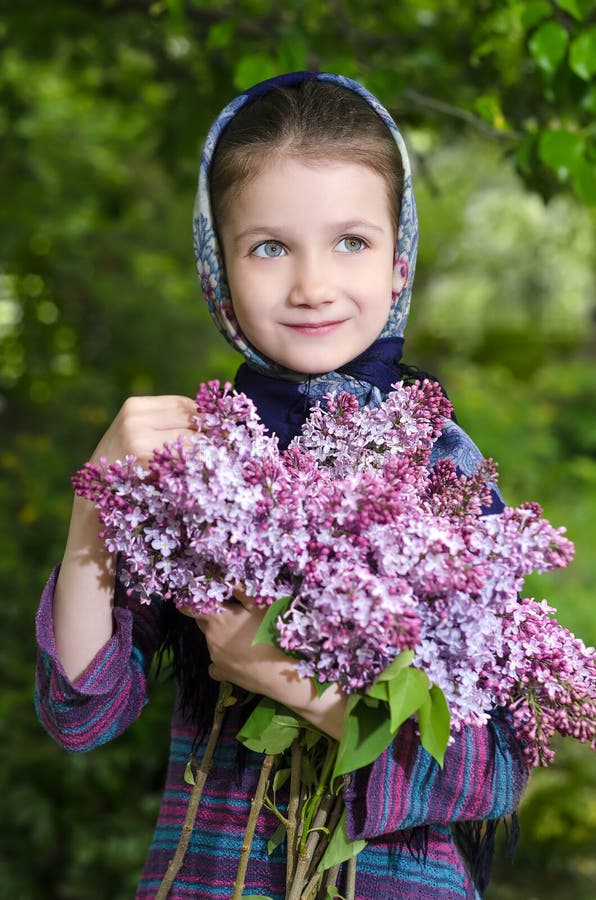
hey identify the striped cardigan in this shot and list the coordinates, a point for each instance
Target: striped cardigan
(482, 778)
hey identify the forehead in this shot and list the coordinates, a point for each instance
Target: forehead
(287, 186)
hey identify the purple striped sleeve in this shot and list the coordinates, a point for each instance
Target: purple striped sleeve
(111, 692)
(483, 777)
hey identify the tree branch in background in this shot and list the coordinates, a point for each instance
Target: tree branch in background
(456, 112)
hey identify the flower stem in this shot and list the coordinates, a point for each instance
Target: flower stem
(329, 880)
(293, 803)
(351, 878)
(312, 839)
(334, 817)
(313, 804)
(312, 888)
(255, 807)
(195, 797)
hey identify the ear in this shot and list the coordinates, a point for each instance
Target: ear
(400, 275)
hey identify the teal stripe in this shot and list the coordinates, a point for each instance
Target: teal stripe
(464, 788)
(206, 891)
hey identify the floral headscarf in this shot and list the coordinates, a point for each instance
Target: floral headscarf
(208, 254)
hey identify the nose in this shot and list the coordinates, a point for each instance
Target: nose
(311, 285)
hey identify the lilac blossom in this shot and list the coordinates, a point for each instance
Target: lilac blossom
(378, 552)
(547, 677)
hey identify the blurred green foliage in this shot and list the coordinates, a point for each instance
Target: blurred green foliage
(102, 110)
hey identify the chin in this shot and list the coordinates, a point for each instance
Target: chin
(318, 365)
(312, 370)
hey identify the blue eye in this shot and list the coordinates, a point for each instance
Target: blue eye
(351, 244)
(269, 249)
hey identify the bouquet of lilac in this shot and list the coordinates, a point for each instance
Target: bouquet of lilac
(378, 571)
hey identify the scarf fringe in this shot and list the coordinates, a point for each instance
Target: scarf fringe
(476, 843)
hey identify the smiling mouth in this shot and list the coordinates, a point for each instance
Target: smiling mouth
(315, 328)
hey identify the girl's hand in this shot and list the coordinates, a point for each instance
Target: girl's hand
(234, 658)
(263, 669)
(145, 424)
(84, 593)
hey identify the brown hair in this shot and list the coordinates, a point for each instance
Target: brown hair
(314, 120)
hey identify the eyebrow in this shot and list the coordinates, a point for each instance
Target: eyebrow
(347, 226)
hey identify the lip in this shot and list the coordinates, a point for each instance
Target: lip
(318, 329)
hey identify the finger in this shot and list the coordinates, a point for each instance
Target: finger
(187, 611)
(205, 620)
(214, 672)
(161, 413)
(240, 594)
(161, 402)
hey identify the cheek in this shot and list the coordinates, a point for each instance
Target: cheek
(242, 315)
(239, 293)
(249, 316)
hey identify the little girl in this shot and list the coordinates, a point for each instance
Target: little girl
(305, 237)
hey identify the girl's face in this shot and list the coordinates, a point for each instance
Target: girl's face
(309, 253)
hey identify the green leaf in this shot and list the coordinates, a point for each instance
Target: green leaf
(253, 68)
(292, 52)
(379, 690)
(433, 721)
(400, 662)
(226, 697)
(275, 739)
(176, 10)
(280, 778)
(230, 701)
(489, 108)
(365, 734)
(584, 182)
(352, 702)
(312, 737)
(255, 897)
(221, 33)
(276, 838)
(407, 692)
(267, 631)
(281, 734)
(370, 701)
(574, 7)
(561, 150)
(589, 100)
(308, 771)
(532, 13)
(548, 45)
(259, 719)
(340, 848)
(321, 686)
(269, 728)
(189, 775)
(582, 54)
(225, 691)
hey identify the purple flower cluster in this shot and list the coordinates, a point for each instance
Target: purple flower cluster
(378, 552)
(547, 677)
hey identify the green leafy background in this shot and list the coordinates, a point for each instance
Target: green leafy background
(103, 106)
